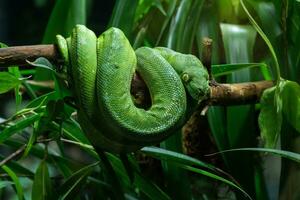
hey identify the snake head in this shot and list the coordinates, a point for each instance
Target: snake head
(196, 82)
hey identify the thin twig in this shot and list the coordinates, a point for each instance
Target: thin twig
(86, 146)
(13, 155)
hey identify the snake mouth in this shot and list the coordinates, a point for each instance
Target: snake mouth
(202, 94)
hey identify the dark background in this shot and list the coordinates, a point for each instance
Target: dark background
(23, 22)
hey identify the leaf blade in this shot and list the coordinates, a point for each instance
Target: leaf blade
(42, 188)
(16, 180)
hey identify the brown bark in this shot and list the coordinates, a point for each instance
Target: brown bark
(238, 93)
(19, 54)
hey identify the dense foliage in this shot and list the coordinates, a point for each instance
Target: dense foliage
(45, 155)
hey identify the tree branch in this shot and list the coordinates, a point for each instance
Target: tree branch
(19, 54)
(221, 94)
(13, 155)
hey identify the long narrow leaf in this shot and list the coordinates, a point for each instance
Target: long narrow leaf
(265, 38)
(18, 126)
(16, 181)
(188, 163)
(225, 69)
(285, 154)
(74, 183)
(150, 189)
(42, 188)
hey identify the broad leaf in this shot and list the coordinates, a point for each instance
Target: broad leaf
(8, 82)
(43, 63)
(270, 120)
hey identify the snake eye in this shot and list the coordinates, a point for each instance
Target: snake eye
(185, 77)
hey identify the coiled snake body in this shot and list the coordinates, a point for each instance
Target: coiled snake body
(101, 70)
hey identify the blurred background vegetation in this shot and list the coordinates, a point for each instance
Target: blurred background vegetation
(54, 158)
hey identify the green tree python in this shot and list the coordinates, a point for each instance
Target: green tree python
(100, 72)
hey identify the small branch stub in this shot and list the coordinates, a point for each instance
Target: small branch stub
(207, 54)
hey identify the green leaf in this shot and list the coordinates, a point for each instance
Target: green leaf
(4, 184)
(188, 163)
(173, 175)
(42, 100)
(111, 172)
(2, 45)
(224, 69)
(149, 188)
(293, 38)
(169, 13)
(63, 18)
(285, 154)
(63, 165)
(216, 177)
(265, 38)
(239, 43)
(8, 82)
(178, 158)
(290, 94)
(17, 167)
(43, 63)
(144, 7)
(190, 27)
(72, 186)
(14, 70)
(177, 25)
(18, 97)
(72, 130)
(17, 126)
(42, 188)
(123, 16)
(31, 141)
(270, 120)
(16, 181)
